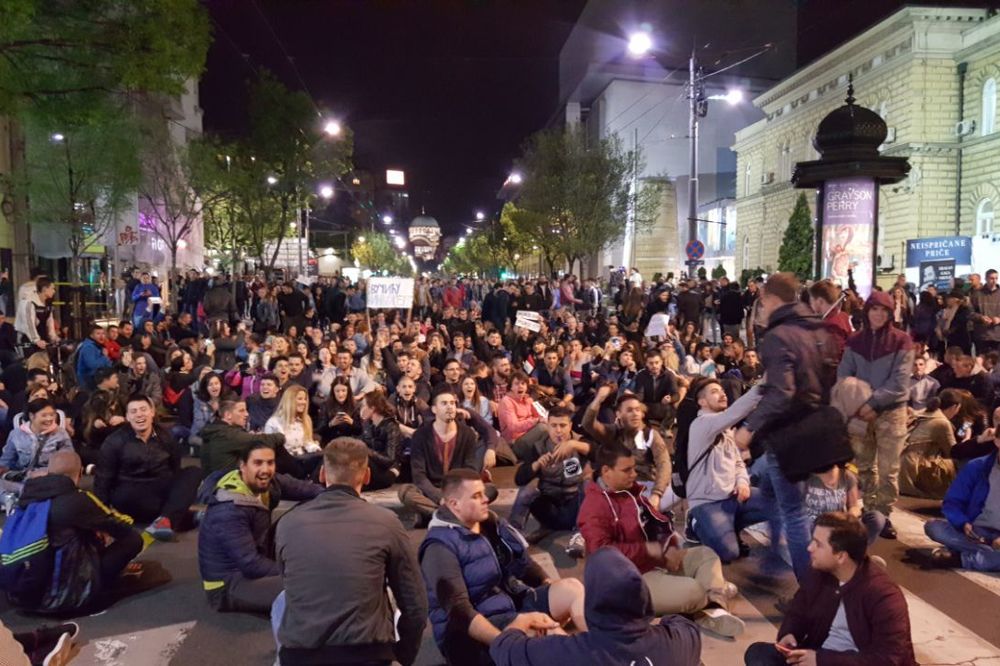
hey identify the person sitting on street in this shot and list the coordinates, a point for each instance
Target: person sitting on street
(721, 501)
(472, 599)
(236, 573)
(225, 440)
(292, 419)
(621, 626)
(77, 521)
(104, 411)
(848, 610)
(140, 473)
(437, 447)
(381, 434)
(340, 557)
(558, 462)
(970, 530)
(615, 512)
(90, 356)
(520, 423)
(261, 405)
(838, 489)
(552, 379)
(30, 447)
(631, 432)
(144, 377)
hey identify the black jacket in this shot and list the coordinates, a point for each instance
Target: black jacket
(124, 457)
(73, 512)
(222, 444)
(383, 443)
(337, 554)
(261, 409)
(428, 469)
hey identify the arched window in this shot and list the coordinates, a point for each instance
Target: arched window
(785, 161)
(746, 180)
(746, 253)
(984, 217)
(989, 117)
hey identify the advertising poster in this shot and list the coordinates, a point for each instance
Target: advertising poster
(936, 261)
(849, 231)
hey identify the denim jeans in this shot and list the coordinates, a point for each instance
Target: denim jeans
(719, 523)
(277, 612)
(547, 510)
(790, 512)
(975, 556)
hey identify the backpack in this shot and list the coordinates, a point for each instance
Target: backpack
(687, 412)
(27, 561)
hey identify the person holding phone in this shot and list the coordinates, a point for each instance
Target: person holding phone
(848, 605)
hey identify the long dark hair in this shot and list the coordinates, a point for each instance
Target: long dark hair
(332, 400)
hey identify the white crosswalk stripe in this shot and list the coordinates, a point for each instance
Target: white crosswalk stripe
(150, 647)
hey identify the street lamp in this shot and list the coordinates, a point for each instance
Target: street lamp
(387, 219)
(400, 242)
(332, 128)
(480, 215)
(58, 137)
(272, 180)
(326, 191)
(515, 178)
(639, 44)
(361, 239)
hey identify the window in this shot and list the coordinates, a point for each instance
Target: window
(746, 253)
(785, 161)
(984, 218)
(746, 180)
(989, 107)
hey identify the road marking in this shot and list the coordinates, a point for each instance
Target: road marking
(151, 647)
(939, 640)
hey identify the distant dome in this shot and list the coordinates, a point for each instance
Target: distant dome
(424, 221)
(850, 131)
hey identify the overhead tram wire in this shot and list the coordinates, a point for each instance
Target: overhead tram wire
(288, 57)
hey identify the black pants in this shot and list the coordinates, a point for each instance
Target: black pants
(381, 478)
(170, 497)
(763, 654)
(115, 558)
(246, 595)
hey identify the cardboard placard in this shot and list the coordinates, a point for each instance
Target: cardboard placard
(390, 292)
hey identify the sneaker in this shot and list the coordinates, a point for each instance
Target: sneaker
(888, 531)
(577, 546)
(161, 529)
(721, 622)
(61, 653)
(689, 534)
(944, 558)
(89, 469)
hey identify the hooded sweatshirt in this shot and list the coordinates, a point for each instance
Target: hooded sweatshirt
(619, 609)
(883, 358)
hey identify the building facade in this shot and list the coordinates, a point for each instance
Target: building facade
(931, 74)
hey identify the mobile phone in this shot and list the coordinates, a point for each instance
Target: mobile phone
(782, 648)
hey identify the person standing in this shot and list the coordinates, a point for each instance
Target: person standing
(986, 314)
(881, 355)
(140, 298)
(35, 319)
(791, 353)
(335, 607)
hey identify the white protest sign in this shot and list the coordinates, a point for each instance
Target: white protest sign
(529, 314)
(390, 292)
(657, 325)
(529, 324)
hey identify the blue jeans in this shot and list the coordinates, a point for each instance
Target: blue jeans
(975, 556)
(787, 499)
(277, 612)
(719, 523)
(873, 521)
(550, 512)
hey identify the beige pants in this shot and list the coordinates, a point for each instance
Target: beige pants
(687, 590)
(877, 454)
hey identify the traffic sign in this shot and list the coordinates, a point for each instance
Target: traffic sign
(695, 249)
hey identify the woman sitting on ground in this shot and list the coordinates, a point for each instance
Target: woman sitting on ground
(925, 467)
(291, 418)
(381, 434)
(338, 416)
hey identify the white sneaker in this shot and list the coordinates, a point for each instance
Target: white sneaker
(721, 622)
(577, 546)
(61, 654)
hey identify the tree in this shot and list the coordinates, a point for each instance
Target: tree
(577, 194)
(473, 255)
(796, 252)
(376, 252)
(718, 272)
(750, 274)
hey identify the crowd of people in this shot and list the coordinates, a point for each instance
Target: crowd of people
(652, 421)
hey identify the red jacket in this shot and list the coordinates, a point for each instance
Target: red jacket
(876, 615)
(609, 518)
(114, 349)
(839, 325)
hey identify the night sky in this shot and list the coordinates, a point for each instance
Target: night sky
(447, 91)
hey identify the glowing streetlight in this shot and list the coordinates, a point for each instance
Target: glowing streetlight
(734, 96)
(387, 219)
(640, 43)
(272, 180)
(400, 242)
(332, 128)
(58, 137)
(361, 239)
(515, 178)
(480, 215)
(326, 191)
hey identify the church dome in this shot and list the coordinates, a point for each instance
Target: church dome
(850, 131)
(424, 221)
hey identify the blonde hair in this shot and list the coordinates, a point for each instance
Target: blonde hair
(285, 412)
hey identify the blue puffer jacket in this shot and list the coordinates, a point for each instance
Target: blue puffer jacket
(966, 496)
(484, 578)
(233, 535)
(89, 358)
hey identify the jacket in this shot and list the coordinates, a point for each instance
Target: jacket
(19, 451)
(619, 611)
(651, 391)
(966, 497)
(883, 358)
(490, 566)
(124, 457)
(150, 384)
(202, 414)
(428, 470)
(261, 409)
(616, 518)
(234, 532)
(986, 304)
(383, 442)
(219, 304)
(791, 352)
(876, 611)
(336, 608)
(731, 308)
(222, 444)
(516, 416)
(89, 357)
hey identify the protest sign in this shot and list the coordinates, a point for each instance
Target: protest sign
(390, 292)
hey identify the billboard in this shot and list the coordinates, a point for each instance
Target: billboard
(849, 207)
(936, 261)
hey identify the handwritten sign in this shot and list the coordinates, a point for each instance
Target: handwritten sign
(657, 325)
(390, 292)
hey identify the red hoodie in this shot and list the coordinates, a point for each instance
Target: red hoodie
(610, 518)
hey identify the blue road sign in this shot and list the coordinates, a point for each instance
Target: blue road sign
(695, 249)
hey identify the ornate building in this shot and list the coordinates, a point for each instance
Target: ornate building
(931, 74)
